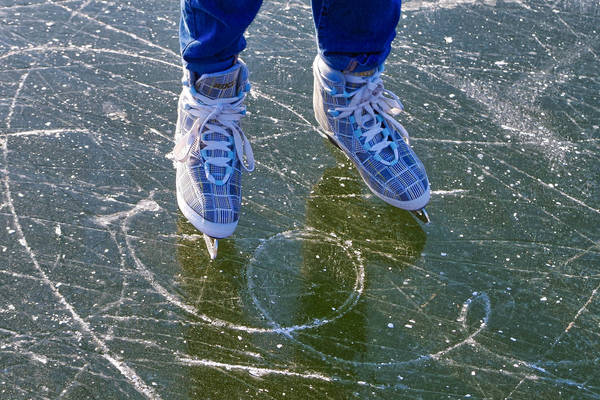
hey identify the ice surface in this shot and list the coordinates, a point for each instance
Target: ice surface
(324, 291)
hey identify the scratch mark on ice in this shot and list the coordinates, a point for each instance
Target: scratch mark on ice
(112, 28)
(132, 377)
(13, 103)
(256, 371)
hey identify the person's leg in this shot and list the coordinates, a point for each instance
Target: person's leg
(211, 150)
(211, 32)
(355, 35)
(352, 106)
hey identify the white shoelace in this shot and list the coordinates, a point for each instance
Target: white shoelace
(368, 102)
(215, 116)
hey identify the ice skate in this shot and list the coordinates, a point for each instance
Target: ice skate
(211, 150)
(357, 115)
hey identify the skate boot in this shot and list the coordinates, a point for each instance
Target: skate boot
(211, 150)
(356, 114)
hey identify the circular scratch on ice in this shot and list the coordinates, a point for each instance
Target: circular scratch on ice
(310, 234)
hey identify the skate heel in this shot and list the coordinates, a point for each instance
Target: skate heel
(422, 216)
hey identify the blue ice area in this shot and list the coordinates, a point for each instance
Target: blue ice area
(324, 291)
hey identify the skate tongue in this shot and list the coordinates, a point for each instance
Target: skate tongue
(219, 85)
(363, 73)
(355, 80)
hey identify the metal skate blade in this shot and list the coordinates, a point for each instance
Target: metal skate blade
(329, 137)
(334, 142)
(422, 215)
(212, 245)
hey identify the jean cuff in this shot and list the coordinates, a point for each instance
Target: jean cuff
(200, 68)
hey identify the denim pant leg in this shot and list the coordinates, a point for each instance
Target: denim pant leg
(211, 32)
(355, 35)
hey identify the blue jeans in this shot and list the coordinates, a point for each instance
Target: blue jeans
(353, 35)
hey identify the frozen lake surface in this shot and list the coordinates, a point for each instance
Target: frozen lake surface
(324, 291)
